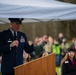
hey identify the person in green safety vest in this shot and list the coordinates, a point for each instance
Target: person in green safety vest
(57, 50)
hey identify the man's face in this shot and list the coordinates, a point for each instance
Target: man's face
(15, 26)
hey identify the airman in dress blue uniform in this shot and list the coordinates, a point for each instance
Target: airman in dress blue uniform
(12, 46)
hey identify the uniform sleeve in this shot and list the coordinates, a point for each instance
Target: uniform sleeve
(3, 47)
(27, 47)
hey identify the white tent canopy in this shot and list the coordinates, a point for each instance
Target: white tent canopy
(36, 10)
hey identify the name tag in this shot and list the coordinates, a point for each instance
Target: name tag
(66, 61)
(9, 41)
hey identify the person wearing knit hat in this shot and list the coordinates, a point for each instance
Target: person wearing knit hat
(68, 63)
(71, 49)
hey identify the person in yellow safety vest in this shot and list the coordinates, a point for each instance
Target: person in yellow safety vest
(57, 50)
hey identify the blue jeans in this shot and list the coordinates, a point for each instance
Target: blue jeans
(58, 60)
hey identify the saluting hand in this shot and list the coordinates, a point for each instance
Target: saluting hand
(37, 40)
(14, 43)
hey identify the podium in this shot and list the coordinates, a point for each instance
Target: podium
(41, 66)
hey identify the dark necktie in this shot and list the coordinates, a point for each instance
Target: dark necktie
(15, 36)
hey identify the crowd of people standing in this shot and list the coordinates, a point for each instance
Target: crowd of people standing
(63, 49)
(15, 49)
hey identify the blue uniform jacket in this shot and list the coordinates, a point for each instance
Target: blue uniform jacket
(12, 57)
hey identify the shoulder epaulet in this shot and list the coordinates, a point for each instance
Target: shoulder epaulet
(3, 32)
(20, 32)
